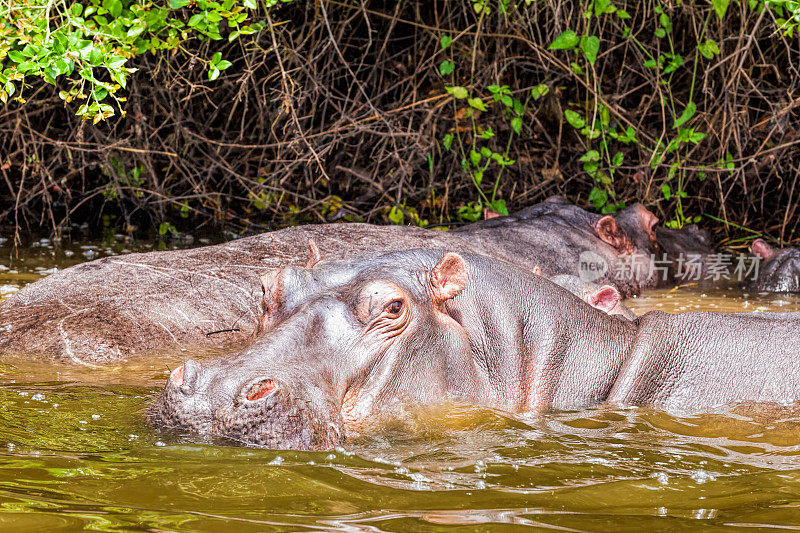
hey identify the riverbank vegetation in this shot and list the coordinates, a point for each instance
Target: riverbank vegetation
(178, 114)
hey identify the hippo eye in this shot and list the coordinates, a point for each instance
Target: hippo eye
(394, 307)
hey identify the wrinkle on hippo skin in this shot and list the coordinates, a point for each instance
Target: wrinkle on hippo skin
(356, 339)
(119, 307)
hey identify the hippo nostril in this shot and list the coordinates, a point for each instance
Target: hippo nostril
(260, 389)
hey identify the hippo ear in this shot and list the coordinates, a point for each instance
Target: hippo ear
(272, 287)
(448, 278)
(762, 249)
(537, 270)
(648, 220)
(609, 232)
(313, 254)
(604, 298)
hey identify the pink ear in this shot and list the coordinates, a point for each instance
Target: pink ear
(448, 278)
(313, 254)
(272, 288)
(537, 270)
(605, 298)
(608, 231)
(488, 213)
(762, 249)
(649, 221)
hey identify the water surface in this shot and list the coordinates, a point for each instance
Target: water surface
(75, 453)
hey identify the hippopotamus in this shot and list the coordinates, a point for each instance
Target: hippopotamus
(346, 344)
(564, 229)
(141, 304)
(603, 297)
(779, 270)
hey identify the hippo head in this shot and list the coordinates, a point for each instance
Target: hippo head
(334, 342)
(779, 271)
(638, 224)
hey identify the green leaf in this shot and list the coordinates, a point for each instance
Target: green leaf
(708, 49)
(446, 41)
(396, 215)
(222, 65)
(115, 62)
(686, 115)
(539, 91)
(598, 197)
(95, 57)
(477, 103)
(621, 13)
(474, 157)
(446, 67)
(575, 120)
(617, 159)
(16, 56)
(250, 4)
(660, 32)
(591, 155)
(566, 41)
(447, 141)
(177, 4)
(114, 7)
(590, 46)
(666, 191)
(720, 6)
(499, 206)
(516, 125)
(213, 73)
(135, 31)
(458, 92)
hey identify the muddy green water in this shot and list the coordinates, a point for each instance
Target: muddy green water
(75, 454)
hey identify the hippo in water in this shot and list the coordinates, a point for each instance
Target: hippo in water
(136, 305)
(779, 270)
(346, 344)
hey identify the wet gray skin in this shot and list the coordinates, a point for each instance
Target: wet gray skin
(140, 305)
(779, 270)
(347, 345)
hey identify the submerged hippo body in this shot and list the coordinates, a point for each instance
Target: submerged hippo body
(343, 344)
(117, 307)
(779, 270)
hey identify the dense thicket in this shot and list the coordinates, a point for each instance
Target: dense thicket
(426, 112)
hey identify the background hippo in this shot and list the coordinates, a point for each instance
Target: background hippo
(779, 270)
(346, 344)
(130, 305)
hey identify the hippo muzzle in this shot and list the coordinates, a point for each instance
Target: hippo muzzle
(261, 412)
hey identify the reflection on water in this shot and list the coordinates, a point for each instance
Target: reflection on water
(721, 300)
(75, 453)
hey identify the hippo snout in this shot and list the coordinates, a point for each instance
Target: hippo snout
(249, 408)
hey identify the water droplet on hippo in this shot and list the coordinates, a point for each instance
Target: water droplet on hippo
(95, 417)
(38, 396)
(331, 457)
(159, 443)
(276, 462)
